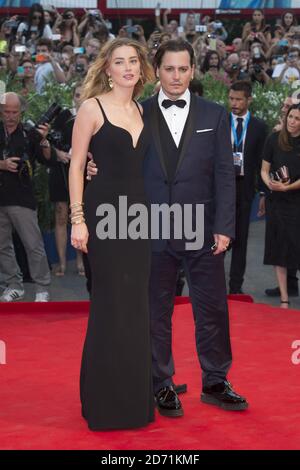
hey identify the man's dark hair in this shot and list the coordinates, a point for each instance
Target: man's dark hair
(173, 45)
(242, 85)
(45, 42)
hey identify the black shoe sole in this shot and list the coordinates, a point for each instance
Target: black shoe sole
(209, 400)
(170, 413)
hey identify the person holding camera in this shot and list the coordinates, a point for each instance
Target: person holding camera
(46, 65)
(25, 73)
(18, 151)
(34, 27)
(233, 69)
(79, 68)
(289, 71)
(67, 26)
(258, 70)
(281, 174)
(257, 29)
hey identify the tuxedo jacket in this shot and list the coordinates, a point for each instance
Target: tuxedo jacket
(204, 174)
(257, 133)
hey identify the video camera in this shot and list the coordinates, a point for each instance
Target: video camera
(31, 128)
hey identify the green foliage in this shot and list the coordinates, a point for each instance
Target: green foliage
(267, 99)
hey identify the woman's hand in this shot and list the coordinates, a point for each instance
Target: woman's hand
(79, 237)
(279, 186)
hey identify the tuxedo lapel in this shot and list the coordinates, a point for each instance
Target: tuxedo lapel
(188, 130)
(154, 122)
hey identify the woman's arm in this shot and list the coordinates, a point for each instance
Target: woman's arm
(265, 173)
(83, 130)
(293, 186)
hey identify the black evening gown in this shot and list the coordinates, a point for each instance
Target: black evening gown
(282, 238)
(116, 379)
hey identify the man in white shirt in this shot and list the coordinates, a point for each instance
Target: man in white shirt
(290, 70)
(47, 67)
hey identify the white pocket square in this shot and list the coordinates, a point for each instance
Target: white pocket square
(203, 130)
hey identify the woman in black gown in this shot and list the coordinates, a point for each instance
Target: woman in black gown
(282, 243)
(116, 381)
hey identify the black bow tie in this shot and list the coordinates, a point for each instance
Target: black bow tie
(168, 103)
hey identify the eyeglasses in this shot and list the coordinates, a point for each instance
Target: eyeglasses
(37, 17)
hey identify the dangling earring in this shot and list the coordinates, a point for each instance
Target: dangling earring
(110, 82)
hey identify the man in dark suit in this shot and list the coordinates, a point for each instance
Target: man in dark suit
(189, 161)
(248, 136)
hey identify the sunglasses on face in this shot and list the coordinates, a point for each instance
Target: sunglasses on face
(37, 17)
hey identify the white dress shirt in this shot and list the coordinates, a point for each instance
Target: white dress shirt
(175, 117)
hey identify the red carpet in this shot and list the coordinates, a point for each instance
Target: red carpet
(39, 394)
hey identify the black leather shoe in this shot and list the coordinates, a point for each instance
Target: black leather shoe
(236, 291)
(223, 395)
(168, 403)
(181, 388)
(292, 291)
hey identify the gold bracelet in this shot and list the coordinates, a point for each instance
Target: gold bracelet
(81, 221)
(74, 214)
(81, 216)
(76, 204)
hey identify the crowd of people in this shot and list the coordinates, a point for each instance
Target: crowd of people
(47, 42)
(49, 45)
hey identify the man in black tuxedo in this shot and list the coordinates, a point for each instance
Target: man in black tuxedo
(189, 161)
(248, 136)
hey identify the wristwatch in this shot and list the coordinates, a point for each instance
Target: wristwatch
(45, 144)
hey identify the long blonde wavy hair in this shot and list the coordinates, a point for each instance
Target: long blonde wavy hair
(96, 81)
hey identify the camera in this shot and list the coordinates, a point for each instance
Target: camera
(257, 68)
(79, 68)
(67, 15)
(31, 127)
(132, 29)
(217, 25)
(201, 28)
(256, 52)
(11, 24)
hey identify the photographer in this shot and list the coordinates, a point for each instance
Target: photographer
(34, 27)
(19, 149)
(67, 25)
(79, 68)
(233, 68)
(61, 139)
(216, 28)
(47, 65)
(289, 71)
(258, 70)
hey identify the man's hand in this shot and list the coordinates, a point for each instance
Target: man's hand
(222, 243)
(261, 207)
(63, 157)
(92, 169)
(10, 164)
(43, 129)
